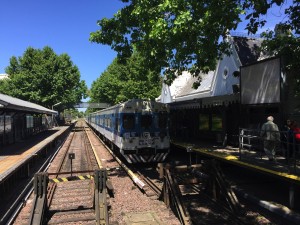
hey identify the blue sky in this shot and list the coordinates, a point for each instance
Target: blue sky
(65, 26)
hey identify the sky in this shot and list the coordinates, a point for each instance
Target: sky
(65, 26)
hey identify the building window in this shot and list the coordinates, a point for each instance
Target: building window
(225, 72)
(165, 91)
(216, 122)
(204, 122)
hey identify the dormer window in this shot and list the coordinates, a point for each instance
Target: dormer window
(165, 91)
(225, 72)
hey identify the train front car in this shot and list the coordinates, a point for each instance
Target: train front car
(144, 135)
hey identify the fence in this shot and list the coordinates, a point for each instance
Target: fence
(251, 145)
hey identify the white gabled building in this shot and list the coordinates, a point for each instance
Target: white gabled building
(212, 111)
(219, 82)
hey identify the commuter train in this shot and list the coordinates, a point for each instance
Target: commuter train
(138, 129)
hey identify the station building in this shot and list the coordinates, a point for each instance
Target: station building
(20, 119)
(245, 88)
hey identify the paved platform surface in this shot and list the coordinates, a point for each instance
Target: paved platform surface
(14, 155)
(255, 160)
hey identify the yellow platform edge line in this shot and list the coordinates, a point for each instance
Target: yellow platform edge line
(236, 160)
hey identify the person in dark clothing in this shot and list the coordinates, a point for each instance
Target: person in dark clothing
(295, 135)
(288, 138)
(271, 136)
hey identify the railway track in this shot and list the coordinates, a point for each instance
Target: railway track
(73, 201)
(147, 179)
(72, 184)
(70, 199)
(71, 190)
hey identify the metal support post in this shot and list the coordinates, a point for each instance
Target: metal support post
(292, 196)
(190, 150)
(71, 157)
(40, 202)
(101, 211)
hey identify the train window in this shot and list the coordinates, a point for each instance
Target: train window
(128, 121)
(117, 127)
(162, 120)
(146, 121)
(109, 122)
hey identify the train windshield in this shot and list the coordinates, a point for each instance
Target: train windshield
(128, 121)
(162, 120)
(146, 121)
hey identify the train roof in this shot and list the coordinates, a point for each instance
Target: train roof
(123, 104)
(8, 102)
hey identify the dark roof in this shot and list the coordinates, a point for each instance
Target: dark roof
(8, 102)
(247, 49)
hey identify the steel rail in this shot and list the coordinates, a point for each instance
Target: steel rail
(101, 181)
(135, 178)
(150, 184)
(90, 142)
(87, 150)
(52, 186)
(11, 214)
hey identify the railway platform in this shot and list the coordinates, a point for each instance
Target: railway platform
(17, 155)
(282, 169)
(250, 159)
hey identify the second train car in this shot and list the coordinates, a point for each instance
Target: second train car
(138, 129)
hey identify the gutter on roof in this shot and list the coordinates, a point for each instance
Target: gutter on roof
(9, 102)
(3, 103)
(22, 108)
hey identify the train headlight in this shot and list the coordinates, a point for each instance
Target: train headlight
(131, 140)
(126, 137)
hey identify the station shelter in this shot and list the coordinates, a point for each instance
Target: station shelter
(20, 119)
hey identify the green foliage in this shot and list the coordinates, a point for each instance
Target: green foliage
(123, 81)
(284, 42)
(285, 46)
(73, 113)
(42, 77)
(181, 35)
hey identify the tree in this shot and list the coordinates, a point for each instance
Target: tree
(45, 78)
(73, 114)
(182, 35)
(284, 42)
(123, 81)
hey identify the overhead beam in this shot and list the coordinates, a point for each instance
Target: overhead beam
(92, 105)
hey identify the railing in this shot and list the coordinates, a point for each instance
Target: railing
(287, 151)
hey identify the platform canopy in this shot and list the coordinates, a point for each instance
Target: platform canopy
(8, 102)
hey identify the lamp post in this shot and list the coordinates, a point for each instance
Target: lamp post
(52, 114)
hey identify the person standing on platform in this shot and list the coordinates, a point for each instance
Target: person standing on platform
(296, 135)
(271, 136)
